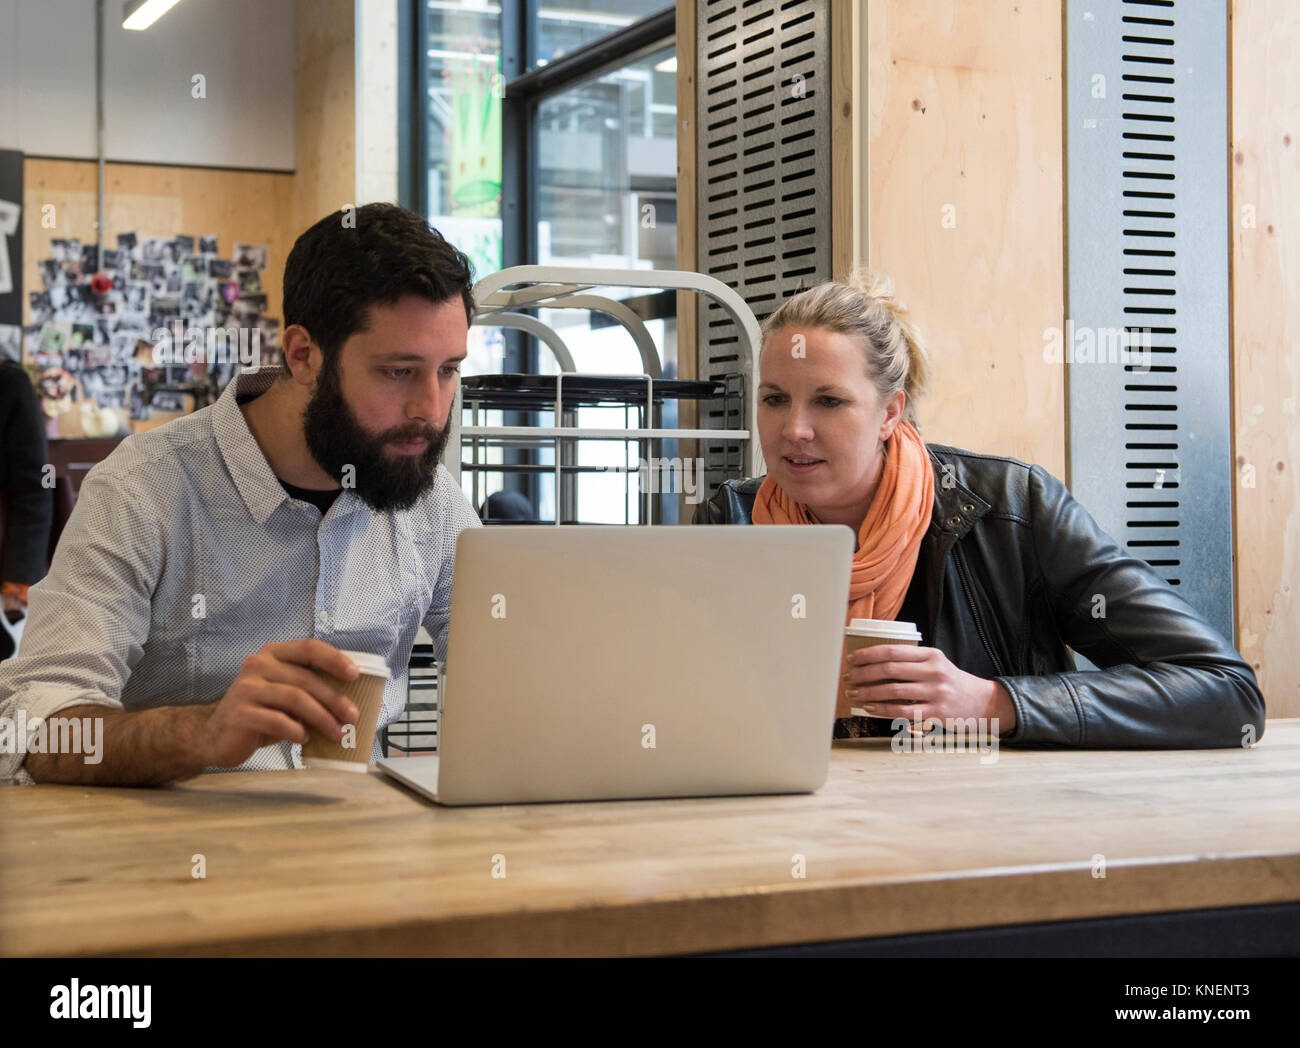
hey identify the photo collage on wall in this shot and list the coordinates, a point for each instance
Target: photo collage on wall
(155, 333)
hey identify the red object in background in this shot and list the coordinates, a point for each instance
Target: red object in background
(101, 283)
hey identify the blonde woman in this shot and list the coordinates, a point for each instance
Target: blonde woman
(993, 559)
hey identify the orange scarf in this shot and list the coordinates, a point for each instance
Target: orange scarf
(889, 539)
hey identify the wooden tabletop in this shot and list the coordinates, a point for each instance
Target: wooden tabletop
(317, 862)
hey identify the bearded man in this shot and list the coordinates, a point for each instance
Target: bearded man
(212, 564)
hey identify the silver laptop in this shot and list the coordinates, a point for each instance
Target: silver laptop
(590, 663)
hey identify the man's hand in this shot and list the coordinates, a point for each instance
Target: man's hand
(274, 696)
(928, 685)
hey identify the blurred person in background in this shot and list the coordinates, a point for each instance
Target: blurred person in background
(26, 499)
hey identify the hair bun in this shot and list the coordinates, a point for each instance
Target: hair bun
(875, 284)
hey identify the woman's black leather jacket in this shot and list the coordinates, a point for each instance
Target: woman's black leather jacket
(1013, 570)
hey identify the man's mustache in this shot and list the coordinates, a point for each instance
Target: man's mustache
(407, 434)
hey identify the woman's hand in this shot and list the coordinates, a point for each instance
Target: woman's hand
(925, 685)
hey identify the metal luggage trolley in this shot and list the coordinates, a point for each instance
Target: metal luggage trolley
(731, 450)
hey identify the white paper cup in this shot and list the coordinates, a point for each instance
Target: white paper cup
(868, 633)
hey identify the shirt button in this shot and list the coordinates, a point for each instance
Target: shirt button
(954, 521)
(968, 507)
(323, 617)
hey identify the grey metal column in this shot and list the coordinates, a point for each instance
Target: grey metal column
(1148, 249)
(763, 172)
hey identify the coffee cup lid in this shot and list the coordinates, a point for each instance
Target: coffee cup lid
(372, 665)
(883, 628)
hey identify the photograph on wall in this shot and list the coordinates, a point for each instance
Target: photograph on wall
(156, 249)
(250, 282)
(11, 342)
(250, 256)
(136, 298)
(92, 329)
(51, 270)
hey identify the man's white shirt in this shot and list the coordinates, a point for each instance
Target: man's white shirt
(185, 554)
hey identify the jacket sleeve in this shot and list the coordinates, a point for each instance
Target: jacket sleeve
(1167, 677)
(711, 511)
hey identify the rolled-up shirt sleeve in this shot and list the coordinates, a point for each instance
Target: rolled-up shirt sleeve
(89, 618)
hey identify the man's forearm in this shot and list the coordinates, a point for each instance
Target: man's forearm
(145, 748)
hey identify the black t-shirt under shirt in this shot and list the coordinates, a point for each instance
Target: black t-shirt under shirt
(322, 500)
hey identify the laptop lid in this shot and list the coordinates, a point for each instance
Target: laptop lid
(589, 663)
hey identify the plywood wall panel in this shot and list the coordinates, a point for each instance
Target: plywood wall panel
(966, 205)
(1266, 336)
(325, 118)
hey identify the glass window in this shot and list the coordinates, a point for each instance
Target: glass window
(607, 197)
(464, 110)
(464, 162)
(565, 27)
(606, 179)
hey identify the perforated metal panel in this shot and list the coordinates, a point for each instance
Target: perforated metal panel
(763, 171)
(1147, 159)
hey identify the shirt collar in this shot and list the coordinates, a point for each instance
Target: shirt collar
(258, 486)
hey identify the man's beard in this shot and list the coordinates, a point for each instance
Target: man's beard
(337, 441)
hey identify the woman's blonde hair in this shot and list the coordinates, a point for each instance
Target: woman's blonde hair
(864, 307)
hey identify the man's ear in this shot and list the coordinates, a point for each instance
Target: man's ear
(301, 355)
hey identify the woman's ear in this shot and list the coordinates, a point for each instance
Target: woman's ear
(893, 414)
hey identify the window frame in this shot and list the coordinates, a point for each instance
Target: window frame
(525, 89)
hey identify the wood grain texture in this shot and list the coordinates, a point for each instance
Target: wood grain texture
(964, 109)
(158, 201)
(843, 116)
(1266, 331)
(325, 121)
(313, 862)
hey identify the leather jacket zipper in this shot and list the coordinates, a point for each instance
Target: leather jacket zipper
(960, 561)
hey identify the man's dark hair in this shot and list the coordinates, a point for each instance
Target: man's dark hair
(350, 261)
